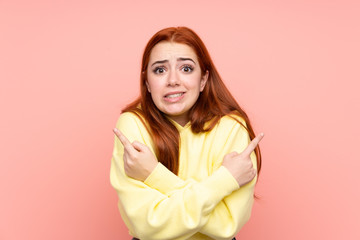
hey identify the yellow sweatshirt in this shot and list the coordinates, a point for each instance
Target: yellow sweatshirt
(203, 202)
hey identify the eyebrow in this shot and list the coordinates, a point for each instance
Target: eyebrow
(179, 59)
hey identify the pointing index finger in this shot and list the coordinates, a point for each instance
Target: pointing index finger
(252, 145)
(124, 141)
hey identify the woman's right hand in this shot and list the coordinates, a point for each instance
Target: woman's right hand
(139, 161)
(240, 165)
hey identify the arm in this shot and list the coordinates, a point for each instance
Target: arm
(234, 210)
(152, 209)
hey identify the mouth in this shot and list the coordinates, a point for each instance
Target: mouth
(174, 97)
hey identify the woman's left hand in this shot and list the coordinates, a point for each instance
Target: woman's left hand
(139, 161)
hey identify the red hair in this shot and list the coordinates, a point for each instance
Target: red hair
(214, 102)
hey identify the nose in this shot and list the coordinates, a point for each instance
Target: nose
(173, 79)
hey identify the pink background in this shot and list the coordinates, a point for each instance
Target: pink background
(68, 67)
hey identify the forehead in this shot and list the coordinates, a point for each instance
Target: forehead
(171, 50)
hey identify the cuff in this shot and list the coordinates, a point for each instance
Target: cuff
(162, 179)
(222, 183)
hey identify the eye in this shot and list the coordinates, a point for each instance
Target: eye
(159, 70)
(188, 68)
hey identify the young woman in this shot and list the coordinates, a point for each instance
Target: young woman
(183, 165)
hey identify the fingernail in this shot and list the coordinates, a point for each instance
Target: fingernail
(262, 134)
(115, 130)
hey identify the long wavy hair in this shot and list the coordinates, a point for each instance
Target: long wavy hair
(214, 102)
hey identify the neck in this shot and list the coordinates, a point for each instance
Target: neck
(181, 120)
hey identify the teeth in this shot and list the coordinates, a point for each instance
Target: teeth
(174, 95)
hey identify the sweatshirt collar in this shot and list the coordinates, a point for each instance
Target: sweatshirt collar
(178, 126)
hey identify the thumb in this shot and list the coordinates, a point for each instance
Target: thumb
(232, 154)
(139, 146)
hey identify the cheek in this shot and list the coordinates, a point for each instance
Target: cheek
(150, 84)
(154, 89)
(194, 84)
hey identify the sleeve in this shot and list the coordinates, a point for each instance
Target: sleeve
(230, 215)
(166, 208)
(234, 210)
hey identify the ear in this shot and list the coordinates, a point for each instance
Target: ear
(203, 80)
(147, 86)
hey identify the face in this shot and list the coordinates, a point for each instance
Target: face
(174, 79)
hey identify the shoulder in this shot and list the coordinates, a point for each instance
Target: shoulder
(232, 120)
(134, 127)
(130, 120)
